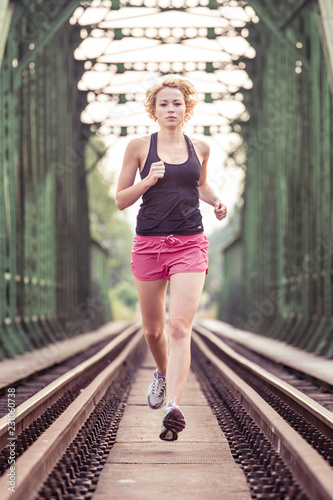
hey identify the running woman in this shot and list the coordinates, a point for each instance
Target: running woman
(169, 244)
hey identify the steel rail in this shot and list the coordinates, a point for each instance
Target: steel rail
(40, 458)
(311, 470)
(28, 411)
(317, 414)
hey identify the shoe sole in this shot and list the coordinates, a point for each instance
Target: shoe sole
(173, 422)
(168, 435)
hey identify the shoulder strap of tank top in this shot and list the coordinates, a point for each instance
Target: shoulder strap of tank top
(153, 142)
(191, 148)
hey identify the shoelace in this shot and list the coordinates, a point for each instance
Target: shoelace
(158, 386)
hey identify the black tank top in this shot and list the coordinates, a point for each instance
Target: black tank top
(171, 206)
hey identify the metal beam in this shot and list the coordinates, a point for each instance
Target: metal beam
(269, 22)
(54, 26)
(326, 23)
(6, 13)
(294, 12)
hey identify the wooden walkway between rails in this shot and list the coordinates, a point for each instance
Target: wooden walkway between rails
(199, 465)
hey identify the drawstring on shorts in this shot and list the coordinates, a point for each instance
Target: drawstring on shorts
(169, 240)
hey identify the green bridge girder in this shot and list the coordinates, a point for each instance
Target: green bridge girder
(284, 286)
(45, 284)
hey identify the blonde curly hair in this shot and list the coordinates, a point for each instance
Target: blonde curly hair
(174, 81)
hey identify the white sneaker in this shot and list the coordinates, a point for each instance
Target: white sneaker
(173, 422)
(156, 392)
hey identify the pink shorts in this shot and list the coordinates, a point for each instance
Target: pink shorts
(158, 257)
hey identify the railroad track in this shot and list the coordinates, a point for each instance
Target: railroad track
(30, 384)
(57, 412)
(65, 432)
(299, 428)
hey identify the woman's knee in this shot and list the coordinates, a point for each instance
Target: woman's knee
(153, 333)
(179, 329)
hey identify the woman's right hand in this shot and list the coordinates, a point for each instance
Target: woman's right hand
(157, 171)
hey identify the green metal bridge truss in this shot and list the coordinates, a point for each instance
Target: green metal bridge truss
(284, 250)
(44, 232)
(281, 258)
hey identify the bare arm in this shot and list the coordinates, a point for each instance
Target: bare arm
(206, 193)
(127, 192)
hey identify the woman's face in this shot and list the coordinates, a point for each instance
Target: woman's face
(170, 108)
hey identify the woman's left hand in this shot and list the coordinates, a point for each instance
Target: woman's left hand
(220, 210)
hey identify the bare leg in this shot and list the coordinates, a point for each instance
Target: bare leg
(185, 292)
(152, 305)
